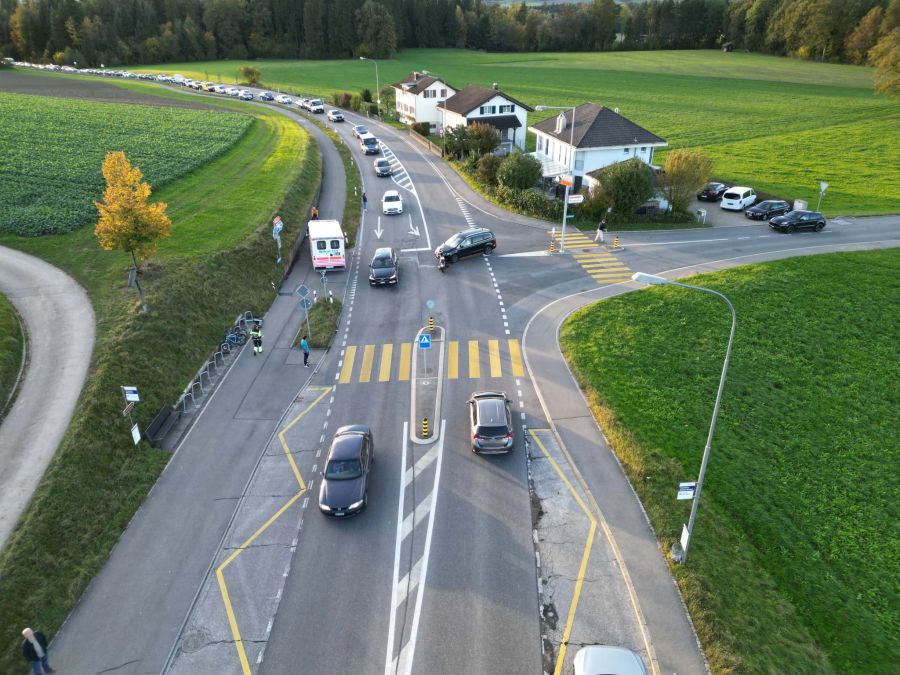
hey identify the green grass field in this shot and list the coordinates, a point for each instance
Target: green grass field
(776, 124)
(217, 263)
(794, 562)
(52, 191)
(11, 345)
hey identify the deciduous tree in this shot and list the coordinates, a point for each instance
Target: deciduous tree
(519, 171)
(127, 222)
(375, 29)
(250, 75)
(629, 184)
(685, 172)
(864, 36)
(885, 57)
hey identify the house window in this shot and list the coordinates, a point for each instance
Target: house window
(579, 162)
(487, 110)
(644, 149)
(443, 93)
(625, 151)
(540, 143)
(506, 108)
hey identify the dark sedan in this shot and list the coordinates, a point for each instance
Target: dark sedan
(384, 268)
(345, 480)
(382, 167)
(767, 209)
(712, 192)
(798, 220)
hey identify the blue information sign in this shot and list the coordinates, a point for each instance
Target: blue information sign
(424, 341)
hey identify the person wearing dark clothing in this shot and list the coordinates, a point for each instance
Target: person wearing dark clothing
(315, 213)
(365, 201)
(257, 336)
(34, 649)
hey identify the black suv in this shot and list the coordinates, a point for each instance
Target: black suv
(384, 268)
(798, 220)
(712, 192)
(767, 209)
(468, 242)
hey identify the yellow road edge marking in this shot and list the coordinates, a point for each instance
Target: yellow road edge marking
(565, 480)
(515, 357)
(365, 369)
(384, 371)
(474, 365)
(405, 359)
(232, 622)
(453, 359)
(284, 445)
(494, 357)
(347, 369)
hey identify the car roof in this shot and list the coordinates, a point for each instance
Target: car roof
(491, 411)
(382, 160)
(346, 446)
(474, 230)
(738, 187)
(391, 193)
(604, 659)
(385, 252)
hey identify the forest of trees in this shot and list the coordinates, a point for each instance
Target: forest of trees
(117, 32)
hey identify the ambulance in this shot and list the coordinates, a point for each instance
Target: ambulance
(326, 244)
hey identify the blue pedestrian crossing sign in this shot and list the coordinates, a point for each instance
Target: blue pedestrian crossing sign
(424, 341)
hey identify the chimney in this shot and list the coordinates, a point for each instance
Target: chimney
(495, 86)
(416, 75)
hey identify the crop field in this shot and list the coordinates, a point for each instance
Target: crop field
(794, 561)
(50, 165)
(776, 124)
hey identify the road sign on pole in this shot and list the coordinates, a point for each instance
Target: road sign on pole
(686, 490)
(302, 291)
(576, 199)
(424, 341)
(305, 303)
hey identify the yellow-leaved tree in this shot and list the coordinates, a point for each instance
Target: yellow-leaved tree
(127, 222)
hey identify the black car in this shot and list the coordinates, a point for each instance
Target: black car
(266, 96)
(767, 209)
(468, 242)
(345, 480)
(712, 192)
(382, 167)
(384, 268)
(798, 220)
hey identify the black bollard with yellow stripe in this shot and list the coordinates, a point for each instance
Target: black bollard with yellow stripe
(424, 427)
(430, 324)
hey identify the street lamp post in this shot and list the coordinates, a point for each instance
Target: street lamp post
(562, 235)
(377, 86)
(659, 281)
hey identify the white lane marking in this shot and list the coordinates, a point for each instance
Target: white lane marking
(408, 584)
(423, 463)
(409, 649)
(389, 652)
(526, 254)
(417, 516)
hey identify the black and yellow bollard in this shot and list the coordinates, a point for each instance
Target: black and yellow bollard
(615, 242)
(552, 247)
(424, 427)
(430, 324)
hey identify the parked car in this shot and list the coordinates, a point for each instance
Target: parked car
(245, 95)
(391, 203)
(284, 99)
(384, 268)
(767, 209)
(266, 96)
(596, 659)
(358, 130)
(490, 422)
(466, 243)
(369, 144)
(345, 479)
(382, 167)
(335, 116)
(798, 220)
(712, 192)
(656, 204)
(737, 198)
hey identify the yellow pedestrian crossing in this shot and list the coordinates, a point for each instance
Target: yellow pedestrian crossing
(575, 239)
(367, 364)
(605, 268)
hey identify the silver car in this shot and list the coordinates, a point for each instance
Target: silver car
(491, 422)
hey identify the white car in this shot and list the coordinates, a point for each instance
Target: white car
(335, 116)
(232, 91)
(738, 198)
(220, 89)
(315, 105)
(245, 95)
(603, 659)
(282, 98)
(391, 203)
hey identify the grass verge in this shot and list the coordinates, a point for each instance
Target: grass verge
(794, 560)
(12, 352)
(323, 320)
(215, 265)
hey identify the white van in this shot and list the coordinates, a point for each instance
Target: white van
(738, 198)
(327, 244)
(315, 105)
(369, 144)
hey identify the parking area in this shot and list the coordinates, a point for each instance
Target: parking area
(719, 217)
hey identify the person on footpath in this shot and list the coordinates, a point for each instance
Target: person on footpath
(315, 213)
(304, 346)
(365, 202)
(601, 231)
(257, 336)
(34, 649)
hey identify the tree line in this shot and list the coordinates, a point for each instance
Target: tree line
(150, 31)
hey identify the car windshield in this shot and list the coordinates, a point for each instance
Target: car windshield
(370, 141)
(343, 469)
(454, 240)
(382, 263)
(361, 130)
(392, 198)
(383, 163)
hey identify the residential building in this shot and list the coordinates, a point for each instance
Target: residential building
(600, 137)
(488, 106)
(417, 96)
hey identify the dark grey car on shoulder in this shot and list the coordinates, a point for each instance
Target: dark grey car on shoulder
(490, 421)
(345, 480)
(467, 243)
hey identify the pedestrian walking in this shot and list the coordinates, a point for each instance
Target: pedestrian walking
(304, 346)
(365, 202)
(601, 231)
(257, 336)
(34, 649)
(315, 213)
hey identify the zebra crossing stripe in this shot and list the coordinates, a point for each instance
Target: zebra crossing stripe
(347, 369)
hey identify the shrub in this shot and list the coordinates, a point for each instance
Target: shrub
(484, 138)
(629, 184)
(336, 98)
(366, 95)
(250, 75)
(486, 171)
(373, 109)
(595, 204)
(519, 171)
(355, 102)
(421, 128)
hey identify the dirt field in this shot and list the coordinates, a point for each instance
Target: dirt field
(38, 83)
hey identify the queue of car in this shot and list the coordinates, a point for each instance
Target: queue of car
(779, 213)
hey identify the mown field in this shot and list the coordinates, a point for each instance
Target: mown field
(776, 124)
(50, 167)
(794, 562)
(11, 344)
(217, 263)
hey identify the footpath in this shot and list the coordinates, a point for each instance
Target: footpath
(130, 616)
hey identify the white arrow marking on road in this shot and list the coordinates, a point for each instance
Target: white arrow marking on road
(378, 230)
(413, 230)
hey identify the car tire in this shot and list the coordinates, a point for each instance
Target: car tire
(454, 258)
(790, 229)
(820, 226)
(488, 249)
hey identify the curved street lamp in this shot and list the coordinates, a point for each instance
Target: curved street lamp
(654, 280)
(377, 87)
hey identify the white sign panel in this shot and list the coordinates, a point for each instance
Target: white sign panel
(686, 490)
(131, 394)
(135, 434)
(576, 199)
(685, 537)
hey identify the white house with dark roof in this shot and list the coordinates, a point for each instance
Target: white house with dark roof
(417, 96)
(600, 137)
(488, 106)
